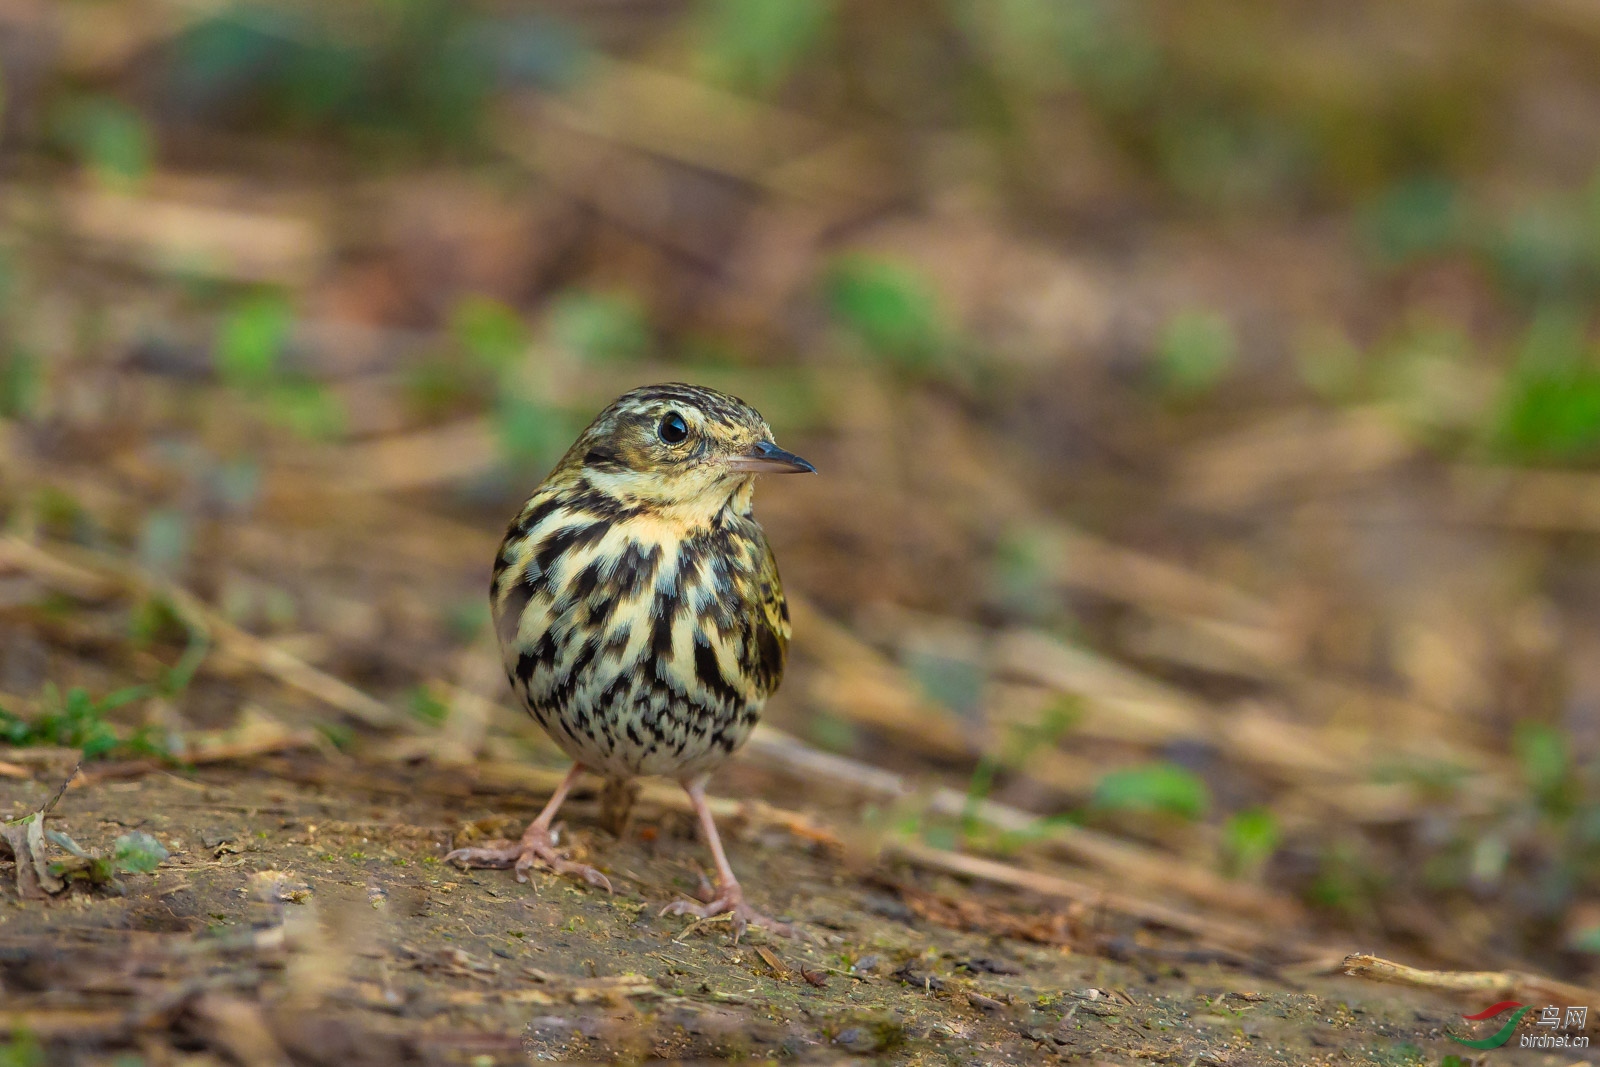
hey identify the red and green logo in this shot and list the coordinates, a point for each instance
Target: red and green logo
(1500, 1036)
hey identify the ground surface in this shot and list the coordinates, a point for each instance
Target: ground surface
(305, 907)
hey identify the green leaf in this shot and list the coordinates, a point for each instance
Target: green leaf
(1546, 763)
(137, 853)
(597, 327)
(1163, 788)
(1417, 218)
(955, 682)
(23, 1050)
(164, 540)
(427, 707)
(1550, 405)
(753, 48)
(891, 307)
(251, 341)
(67, 843)
(1329, 363)
(1196, 351)
(1249, 838)
(531, 433)
(109, 137)
(20, 384)
(308, 409)
(492, 333)
(1544, 249)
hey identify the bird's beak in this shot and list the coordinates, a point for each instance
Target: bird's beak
(767, 458)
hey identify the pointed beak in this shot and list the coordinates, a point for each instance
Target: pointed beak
(767, 458)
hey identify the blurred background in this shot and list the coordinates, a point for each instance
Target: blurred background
(1205, 397)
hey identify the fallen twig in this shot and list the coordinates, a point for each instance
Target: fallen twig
(1497, 983)
(1134, 862)
(107, 575)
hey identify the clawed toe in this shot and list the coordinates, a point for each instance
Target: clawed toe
(497, 854)
(534, 850)
(729, 901)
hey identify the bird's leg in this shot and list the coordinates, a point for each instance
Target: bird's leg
(728, 896)
(536, 846)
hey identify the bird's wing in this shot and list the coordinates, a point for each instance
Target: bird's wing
(768, 648)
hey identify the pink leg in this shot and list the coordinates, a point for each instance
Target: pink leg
(729, 895)
(536, 845)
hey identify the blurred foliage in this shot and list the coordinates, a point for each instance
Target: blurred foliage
(1083, 130)
(1196, 351)
(599, 327)
(108, 137)
(890, 308)
(78, 720)
(1154, 789)
(23, 1050)
(492, 334)
(1550, 404)
(1415, 218)
(1249, 838)
(427, 707)
(391, 73)
(755, 48)
(252, 340)
(1019, 745)
(134, 853)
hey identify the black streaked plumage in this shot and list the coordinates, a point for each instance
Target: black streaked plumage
(639, 607)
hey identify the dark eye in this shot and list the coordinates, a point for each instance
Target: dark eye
(673, 429)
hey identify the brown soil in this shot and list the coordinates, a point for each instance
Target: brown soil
(305, 908)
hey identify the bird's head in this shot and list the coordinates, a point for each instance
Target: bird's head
(678, 449)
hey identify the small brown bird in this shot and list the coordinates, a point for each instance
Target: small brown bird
(639, 610)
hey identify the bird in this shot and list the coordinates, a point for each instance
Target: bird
(640, 615)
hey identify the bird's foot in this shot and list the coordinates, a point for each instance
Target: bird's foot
(727, 899)
(537, 847)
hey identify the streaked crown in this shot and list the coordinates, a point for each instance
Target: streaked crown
(674, 447)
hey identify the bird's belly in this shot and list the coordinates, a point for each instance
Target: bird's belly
(633, 721)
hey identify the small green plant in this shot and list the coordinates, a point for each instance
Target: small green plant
(77, 720)
(155, 619)
(1549, 407)
(890, 308)
(23, 1050)
(1546, 767)
(1196, 351)
(163, 540)
(20, 383)
(338, 735)
(1249, 838)
(600, 327)
(108, 137)
(754, 48)
(1414, 219)
(427, 707)
(1347, 882)
(135, 853)
(1153, 788)
(1329, 363)
(491, 333)
(251, 341)
(532, 433)
(1019, 745)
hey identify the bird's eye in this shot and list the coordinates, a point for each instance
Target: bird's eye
(673, 430)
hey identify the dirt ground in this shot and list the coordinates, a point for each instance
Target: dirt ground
(1201, 581)
(305, 910)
